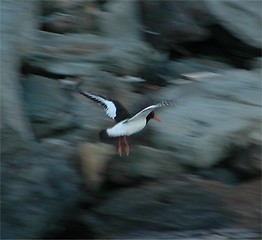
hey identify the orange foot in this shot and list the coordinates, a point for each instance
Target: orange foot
(119, 150)
(127, 146)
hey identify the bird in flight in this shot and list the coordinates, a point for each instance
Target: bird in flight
(126, 124)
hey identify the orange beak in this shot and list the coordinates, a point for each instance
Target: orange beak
(156, 118)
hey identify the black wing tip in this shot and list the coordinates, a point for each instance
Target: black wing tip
(83, 93)
(89, 95)
(92, 95)
(167, 103)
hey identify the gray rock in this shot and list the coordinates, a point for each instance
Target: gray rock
(56, 148)
(120, 19)
(17, 42)
(117, 55)
(176, 22)
(203, 27)
(219, 174)
(215, 234)
(64, 17)
(247, 161)
(219, 114)
(193, 65)
(34, 196)
(143, 163)
(129, 58)
(245, 201)
(169, 207)
(48, 107)
(256, 63)
(241, 18)
(34, 193)
(93, 159)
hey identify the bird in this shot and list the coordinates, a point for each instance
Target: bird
(126, 124)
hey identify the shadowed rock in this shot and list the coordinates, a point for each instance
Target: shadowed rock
(94, 158)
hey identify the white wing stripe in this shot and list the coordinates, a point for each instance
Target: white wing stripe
(111, 109)
(151, 108)
(109, 106)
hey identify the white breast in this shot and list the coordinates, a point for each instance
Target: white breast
(124, 128)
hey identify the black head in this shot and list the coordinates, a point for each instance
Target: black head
(152, 115)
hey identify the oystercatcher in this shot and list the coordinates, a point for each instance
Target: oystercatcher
(126, 124)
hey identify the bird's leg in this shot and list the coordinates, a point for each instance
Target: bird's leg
(127, 146)
(119, 149)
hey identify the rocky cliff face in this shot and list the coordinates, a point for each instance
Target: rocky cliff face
(196, 174)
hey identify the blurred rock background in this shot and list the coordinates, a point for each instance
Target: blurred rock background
(195, 175)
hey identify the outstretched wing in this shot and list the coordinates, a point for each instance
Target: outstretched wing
(114, 109)
(143, 113)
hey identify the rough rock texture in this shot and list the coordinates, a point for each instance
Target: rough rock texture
(46, 117)
(176, 208)
(230, 30)
(241, 18)
(214, 234)
(64, 16)
(94, 158)
(198, 170)
(143, 163)
(13, 49)
(176, 22)
(114, 55)
(157, 207)
(34, 196)
(120, 19)
(222, 113)
(247, 197)
(248, 161)
(33, 191)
